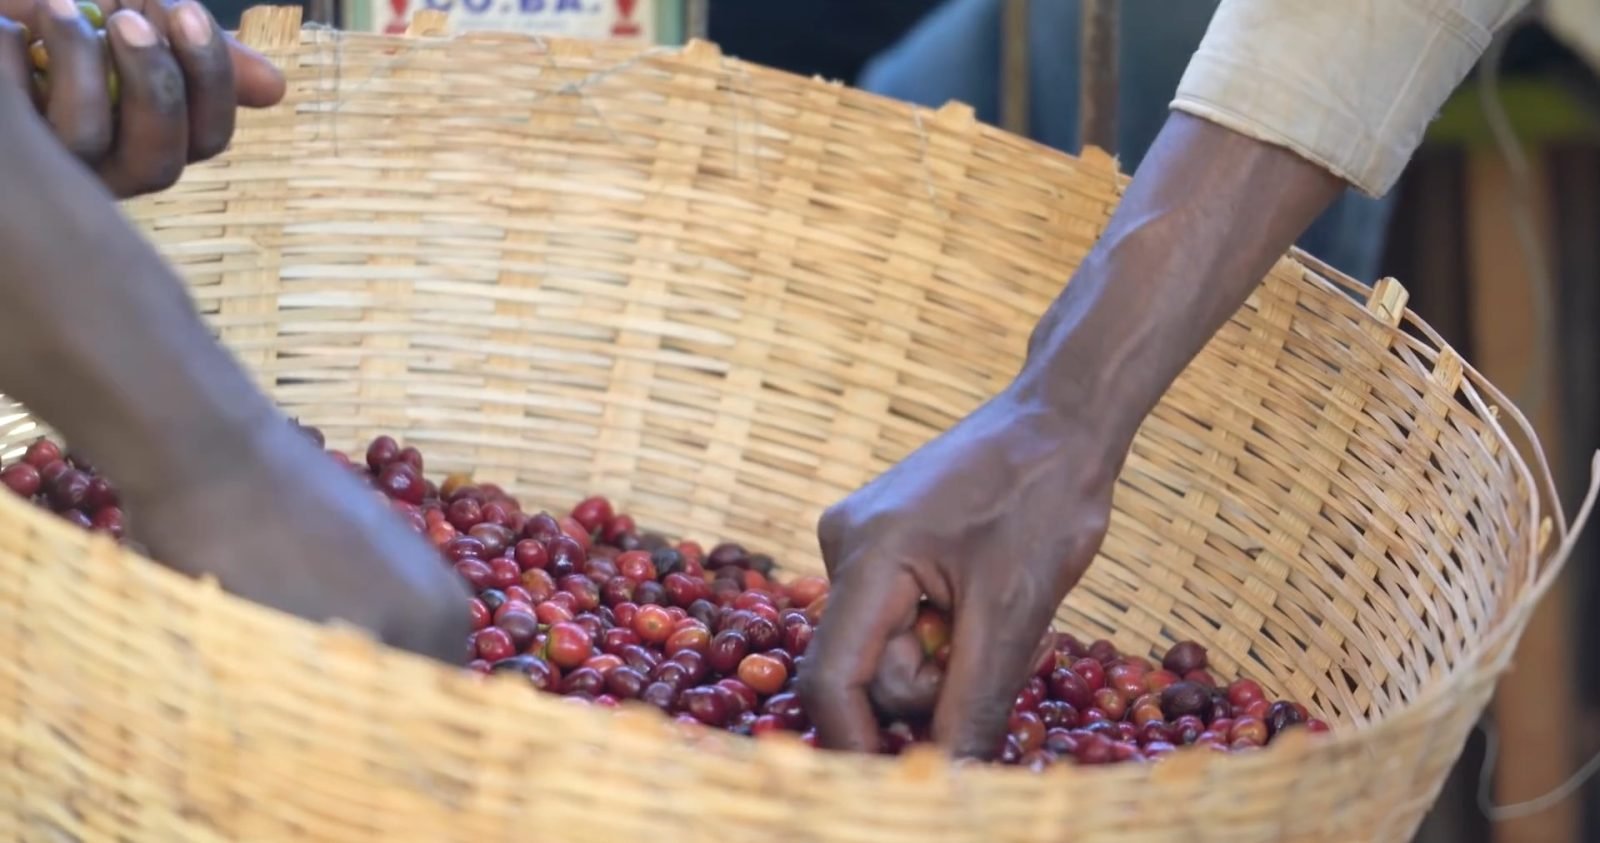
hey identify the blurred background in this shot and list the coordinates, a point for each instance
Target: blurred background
(1495, 230)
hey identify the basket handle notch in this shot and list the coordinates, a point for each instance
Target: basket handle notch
(267, 27)
(1387, 301)
(426, 23)
(1097, 157)
(702, 52)
(955, 116)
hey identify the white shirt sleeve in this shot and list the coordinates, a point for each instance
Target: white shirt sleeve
(1349, 84)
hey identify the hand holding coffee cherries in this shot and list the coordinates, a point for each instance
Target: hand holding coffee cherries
(993, 521)
(104, 343)
(135, 90)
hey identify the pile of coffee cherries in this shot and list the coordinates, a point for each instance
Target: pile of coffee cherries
(587, 606)
(66, 485)
(1095, 705)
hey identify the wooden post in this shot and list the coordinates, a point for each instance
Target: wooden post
(1534, 707)
(325, 12)
(1014, 76)
(1097, 81)
(1575, 185)
(697, 20)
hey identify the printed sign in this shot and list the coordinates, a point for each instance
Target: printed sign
(616, 20)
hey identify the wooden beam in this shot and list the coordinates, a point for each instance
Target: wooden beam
(1534, 706)
(1575, 184)
(1097, 91)
(697, 19)
(325, 12)
(1427, 243)
(1574, 181)
(1015, 96)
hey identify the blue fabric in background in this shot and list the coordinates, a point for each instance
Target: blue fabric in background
(954, 54)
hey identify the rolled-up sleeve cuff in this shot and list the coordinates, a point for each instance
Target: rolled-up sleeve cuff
(1351, 86)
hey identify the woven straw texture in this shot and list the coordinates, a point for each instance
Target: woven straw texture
(727, 296)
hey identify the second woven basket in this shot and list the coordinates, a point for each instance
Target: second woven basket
(727, 296)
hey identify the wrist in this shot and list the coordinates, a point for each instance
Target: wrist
(1102, 356)
(156, 410)
(1197, 229)
(201, 442)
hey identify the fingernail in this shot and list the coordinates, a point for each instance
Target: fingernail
(64, 8)
(194, 24)
(134, 29)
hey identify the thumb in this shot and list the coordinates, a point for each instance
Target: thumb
(257, 82)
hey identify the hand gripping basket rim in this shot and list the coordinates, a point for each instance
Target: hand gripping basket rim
(414, 751)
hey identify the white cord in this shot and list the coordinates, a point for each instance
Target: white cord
(1528, 807)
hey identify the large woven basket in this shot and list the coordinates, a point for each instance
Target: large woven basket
(727, 296)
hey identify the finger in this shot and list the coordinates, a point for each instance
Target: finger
(153, 132)
(997, 632)
(866, 605)
(1044, 653)
(28, 13)
(207, 71)
(79, 103)
(257, 81)
(16, 65)
(906, 684)
(15, 68)
(202, 52)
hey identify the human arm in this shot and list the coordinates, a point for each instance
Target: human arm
(997, 519)
(99, 337)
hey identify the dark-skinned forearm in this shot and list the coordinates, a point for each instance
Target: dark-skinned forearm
(111, 352)
(1201, 223)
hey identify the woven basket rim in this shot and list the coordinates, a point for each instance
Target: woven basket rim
(915, 762)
